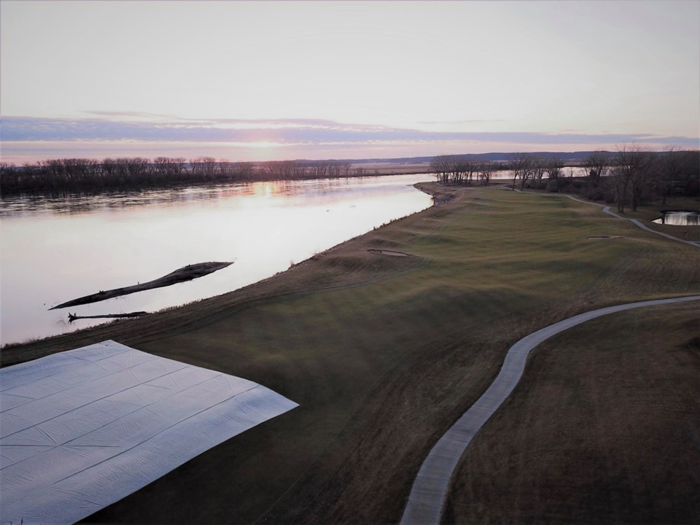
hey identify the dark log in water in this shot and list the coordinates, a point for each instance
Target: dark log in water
(74, 317)
(189, 272)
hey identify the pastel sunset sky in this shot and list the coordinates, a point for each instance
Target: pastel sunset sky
(341, 80)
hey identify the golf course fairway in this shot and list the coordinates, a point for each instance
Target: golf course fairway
(384, 353)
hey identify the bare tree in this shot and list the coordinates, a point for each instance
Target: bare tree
(176, 166)
(442, 167)
(621, 174)
(669, 170)
(538, 167)
(485, 172)
(336, 169)
(470, 167)
(245, 170)
(632, 173)
(170, 168)
(137, 167)
(319, 170)
(203, 166)
(160, 166)
(690, 172)
(9, 177)
(457, 171)
(521, 165)
(554, 168)
(597, 165)
(643, 177)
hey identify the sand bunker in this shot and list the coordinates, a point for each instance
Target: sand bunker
(390, 253)
(82, 429)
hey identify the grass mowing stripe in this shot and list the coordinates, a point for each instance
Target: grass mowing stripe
(385, 357)
(601, 429)
(429, 490)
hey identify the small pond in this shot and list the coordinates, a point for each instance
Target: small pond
(679, 218)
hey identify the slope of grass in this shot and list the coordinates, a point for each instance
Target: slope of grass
(382, 353)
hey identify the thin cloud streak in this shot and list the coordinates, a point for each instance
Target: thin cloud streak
(288, 131)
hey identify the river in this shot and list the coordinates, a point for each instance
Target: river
(58, 249)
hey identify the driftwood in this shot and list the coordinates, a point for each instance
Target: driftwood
(73, 317)
(187, 273)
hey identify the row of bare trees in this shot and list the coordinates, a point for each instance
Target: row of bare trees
(294, 169)
(633, 175)
(63, 175)
(530, 169)
(527, 168)
(59, 175)
(629, 176)
(456, 169)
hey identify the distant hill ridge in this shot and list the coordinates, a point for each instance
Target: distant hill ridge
(570, 156)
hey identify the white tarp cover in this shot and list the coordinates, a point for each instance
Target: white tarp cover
(82, 429)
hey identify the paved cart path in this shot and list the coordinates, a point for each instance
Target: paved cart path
(639, 224)
(606, 209)
(429, 490)
(636, 222)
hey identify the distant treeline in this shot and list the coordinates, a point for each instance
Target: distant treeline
(630, 176)
(568, 157)
(89, 175)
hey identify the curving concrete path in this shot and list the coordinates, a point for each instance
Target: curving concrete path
(638, 223)
(429, 490)
(606, 209)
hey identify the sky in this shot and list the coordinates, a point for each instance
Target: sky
(250, 81)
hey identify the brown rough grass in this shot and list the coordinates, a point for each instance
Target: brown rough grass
(603, 428)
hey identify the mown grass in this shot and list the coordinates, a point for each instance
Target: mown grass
(382, 353)
(603, 428)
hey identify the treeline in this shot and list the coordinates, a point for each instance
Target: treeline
(89, 175)
(463, 169)
(634, 175)
(630, 176)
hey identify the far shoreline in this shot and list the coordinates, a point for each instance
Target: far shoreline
(9, 190)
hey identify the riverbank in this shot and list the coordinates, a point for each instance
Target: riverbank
(110, 241)
(384, 353)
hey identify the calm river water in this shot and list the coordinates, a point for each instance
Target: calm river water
(55, 250)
